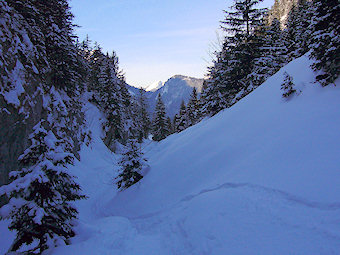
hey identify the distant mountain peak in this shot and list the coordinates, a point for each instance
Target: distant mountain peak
(179, 76)
(175, 90)
(154, 86)
(190, 81)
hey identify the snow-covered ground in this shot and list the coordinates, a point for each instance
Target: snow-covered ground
(262, 177)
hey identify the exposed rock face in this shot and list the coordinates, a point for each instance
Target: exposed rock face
(176, 89)
(21, 101)
(281, 9)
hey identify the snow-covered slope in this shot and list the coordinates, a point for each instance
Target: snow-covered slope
(262, 177)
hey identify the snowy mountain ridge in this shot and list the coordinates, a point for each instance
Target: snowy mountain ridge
(174, 90)
(154, 86)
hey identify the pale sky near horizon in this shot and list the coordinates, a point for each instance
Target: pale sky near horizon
(154, 39)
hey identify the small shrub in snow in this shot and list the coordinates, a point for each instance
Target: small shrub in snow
(131, 165)
(288, 86)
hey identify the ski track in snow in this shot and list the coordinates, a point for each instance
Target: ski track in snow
(278, 194)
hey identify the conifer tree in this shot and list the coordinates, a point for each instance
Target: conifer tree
(277, 49)
(219, 85)
(56, 23)
(52, 33)
(40, 194)
(326, 40)
(131, 165)
(272, 54)
(305, 14)
(288, 86)
(193, 108)
(169, 125)
(159, 125)
(109, 100)
(242, 41)
(113, 98)
(229, 76)
(182, 120)
(96, 60)
(298, 29)
(291, 33)
(175, 122)
(144, 119)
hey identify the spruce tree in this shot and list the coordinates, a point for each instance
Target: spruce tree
(113, 98)
(159, 125)
(169, 125)
(109, 101)
(175, 122)
(291, 32)
(243, 43)
(193, 108)
(56, 18)
(288, 86)
(131, 165)
(219, 85)
(277, 48)
(297, 32)
(182, 120)
(143, 115)
(272, 54)
(40, 194)
(229, 76)
(326, 40)
(96, 60)
(305, 11)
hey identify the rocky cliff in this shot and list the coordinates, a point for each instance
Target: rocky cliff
(281, 9)
(21, 101)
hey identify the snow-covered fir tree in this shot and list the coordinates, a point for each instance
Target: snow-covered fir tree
(109, 100)
(182, 118)
(142, 118)
(277, 49)
(96, 60)
(297, 32)
(229, 76)
(40, 193)
(271, 54)
(131, 165)
(194, 113)
(326, 40)
(55, 21)
(170, 126)
(215, 89)
(241, 24)
(159, 124)
(110, 93)
(288, 86)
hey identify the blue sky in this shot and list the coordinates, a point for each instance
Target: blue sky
(154, 39)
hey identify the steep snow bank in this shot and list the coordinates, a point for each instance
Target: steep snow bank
(262, 140)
